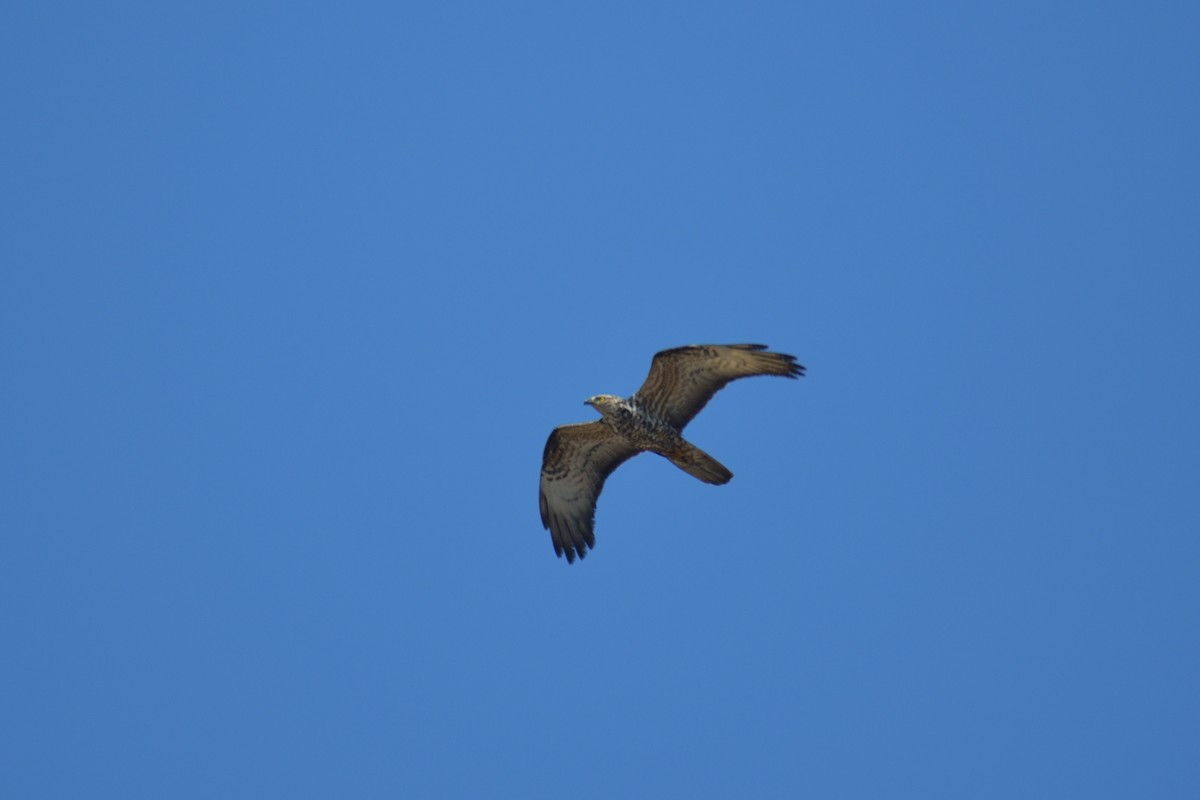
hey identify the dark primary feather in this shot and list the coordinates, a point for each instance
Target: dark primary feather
(684, 379)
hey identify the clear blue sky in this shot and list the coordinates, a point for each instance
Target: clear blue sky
(292, 294)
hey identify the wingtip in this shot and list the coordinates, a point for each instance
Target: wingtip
(567, 543)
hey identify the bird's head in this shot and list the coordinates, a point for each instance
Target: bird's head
(604, 403)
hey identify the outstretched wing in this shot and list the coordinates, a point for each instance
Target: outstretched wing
(577, 460)
(683, 380)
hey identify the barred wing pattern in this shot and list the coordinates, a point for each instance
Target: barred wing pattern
(683, 380)
(577, 460)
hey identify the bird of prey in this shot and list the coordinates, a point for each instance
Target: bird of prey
(579, 457)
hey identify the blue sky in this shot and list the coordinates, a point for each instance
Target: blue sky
(292, 295)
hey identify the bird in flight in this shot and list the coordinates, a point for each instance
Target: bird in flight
(579, 457)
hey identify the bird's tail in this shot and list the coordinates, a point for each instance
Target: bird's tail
(699, 464)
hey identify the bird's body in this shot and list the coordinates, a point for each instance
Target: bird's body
(639, 426)
(578, 458)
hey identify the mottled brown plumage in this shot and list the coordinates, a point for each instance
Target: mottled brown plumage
(578, 458)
